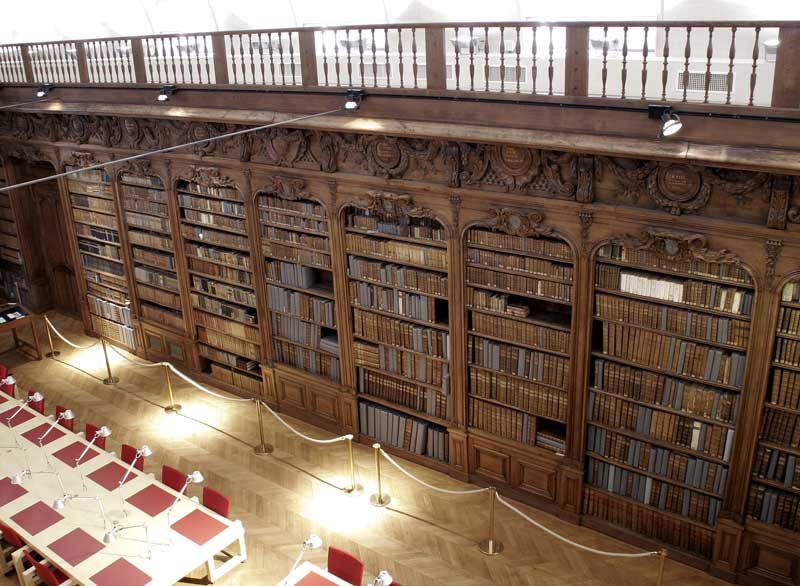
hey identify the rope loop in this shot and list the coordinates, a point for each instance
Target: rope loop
(425, 484)
(57, 333)
(302, 435)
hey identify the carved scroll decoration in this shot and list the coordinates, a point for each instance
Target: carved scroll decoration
(208, 177)
(391, 206)
(586, 219)
(285, 187)
(779, 202)
(676, 245)
(81, 159)
(773, 253)
(524, 223)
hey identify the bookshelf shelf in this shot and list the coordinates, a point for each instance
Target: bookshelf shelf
(403, 409)
(670, 342)
(376, 233)
(393, 260)
(434, 325)
(395, 287)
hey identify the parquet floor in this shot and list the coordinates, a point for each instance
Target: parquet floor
(422, 539)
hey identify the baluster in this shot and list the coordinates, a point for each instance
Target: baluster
(164, 60)
(731, 56)
(195, 69)
(755, 65)
(361, 56)
(209, 58)
(34, 64)
(324, 57)
(73, 62)
(624, 60)
(271, 60)
(280, 55)
(687, 53)
(709, 54)
(120, 60)
(5, 74)
(400, 56)
(518, 71)
(90, 63)
(664, 70)
(110, 73)
(604, 71)
(534, 67)
(125, 55)
(414, 54)
(254, 66)
(43, 60)
(244, 57)
(171, 46)
(550, 67)
(349, 60)
(457, 64)
(53, 71)
(645, 50)
(471, 61)
(502, 58)
(386, 50)
(486, 56)
(336, 53)
(183, 45)
(292, 63)
(148, 61)
(260, 37)
(374, 60)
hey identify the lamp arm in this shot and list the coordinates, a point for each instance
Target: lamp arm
(51, 428)
(85, 451)
(294, 566)
(129, 470)
(178, 498)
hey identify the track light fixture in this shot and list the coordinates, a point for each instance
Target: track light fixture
(353, 99)
(670, 122)
(44, 90)
(166, 92)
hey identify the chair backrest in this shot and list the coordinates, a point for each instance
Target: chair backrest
(3, 371)
(11, 536)
(173, 477)
(128, 454)
(90, 431)
(345, 566)
(47, 575)
(216, 501)
(36, 405)
(68, 423)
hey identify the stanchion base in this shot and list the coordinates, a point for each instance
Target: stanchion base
(53, 354)
(112, 380)
(173, 408)
(380, 500)
(264, 449)
(355, 490)
(490, 547)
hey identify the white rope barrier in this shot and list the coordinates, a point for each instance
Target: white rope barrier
(423, 483)
(574, 544)
(302, 435)
(57, 333)
(132, 361)
(200, 387)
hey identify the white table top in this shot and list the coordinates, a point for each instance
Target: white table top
(173, 554)
(314, 575)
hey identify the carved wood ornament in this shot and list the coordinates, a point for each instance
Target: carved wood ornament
(676, 245)
(208, 177)
(139, 168)
(81, 159)
(391, 206)
(284, 187)
(524, 223)
(773, 253)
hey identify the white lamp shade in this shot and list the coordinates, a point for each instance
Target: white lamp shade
(195, 477)
(110, 537)
(67, 414)
(314, 541)
(145, 451)
(383, 579)
(104, 431)
(16, 479)
(36, 397)
(58, 504)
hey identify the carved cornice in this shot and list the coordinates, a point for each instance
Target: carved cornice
(27, 153)
(139, 168)
(525, 223)
(676, 245)
(81, 159)
(284, 187)
(207, 177)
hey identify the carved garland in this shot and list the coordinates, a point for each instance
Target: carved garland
(81, 159)
(676, 245)
(285, 187)
(527, 223)
(391, 205)
(139, 168)
(208, 177)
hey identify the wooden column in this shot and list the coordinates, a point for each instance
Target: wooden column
(435, 65)
(308, 58)
(83, 63)
(139, 65)
(576, 65)
(26, 64)
(220, 58)
(786, 84)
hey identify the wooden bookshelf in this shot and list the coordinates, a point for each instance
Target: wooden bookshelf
(519, 297)
(221, 283)
(775, 484)
(669, 347)
(296, 245)
(397, 257)
(97, 230)
(11, 260)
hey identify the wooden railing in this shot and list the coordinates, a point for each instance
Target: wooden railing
(729, 63)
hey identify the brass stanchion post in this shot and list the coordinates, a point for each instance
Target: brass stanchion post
(353, 488)
(379, 499)
(53, 352)
(264, 447)
(172, 407)
(110, 379)
(491, 546)
(662, 554)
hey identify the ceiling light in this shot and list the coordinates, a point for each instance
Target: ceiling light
(44, 90)
(670, 122)
(166, 92)
(353, 99)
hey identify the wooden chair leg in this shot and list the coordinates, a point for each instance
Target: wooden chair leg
(18, 561)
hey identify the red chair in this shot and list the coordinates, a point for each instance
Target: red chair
(36, 405)
(216, 501)
(173, 478)
(9, 387)
(90, 431)
(68, 423)
(128, 454)
(345, 566)
(51, 576)
(12, 549)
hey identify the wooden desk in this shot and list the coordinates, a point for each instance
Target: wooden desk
(15, 324)
(307, 574)
(72, 538)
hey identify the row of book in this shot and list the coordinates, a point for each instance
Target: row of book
(785, 390)
(778, 466)
(502, 421)
(422, 399)
(290, 273)
(308, 307)
(118, 313)
(145, 206)
(525, 396)
(93, 203)
(400, 333)
(228, 358)
(696, 293)
(99, 289)
(211, 205)
(297, 255)
(118, 281)
(147, 222)
(229, 343)
(159, 296)
(408, 227)
(230, 258)
(208, 190)
(397, 251)
(228, 327)
(403, 431)
(96, 175)
(97, 232)
(522, 362)
(10, 254)
(518, 284)
(781, 427)
(647, 521)
(673, 354)
(498, 302)
(772, 506)
(93, 247)
(114, 331)
(224, 290)
(419, 307)
(523, 332)
(145, 180)
(665, 391)
(88, 188)
(547, 247)
(717, 270)
(274, 218)
(791, 292)
(395, 275)
(304, 207)
(215, 237)
(158, 278)
(144, 192)
(706, 438)
(299, 331)
(412, 366)
(150, 240)
(100, 264)
(95, 219)
(694, 472)
(553, 440)
(221, 308)
(161, 315)
(215, 220)
(647, 490)
(789, 321)
(787, 351)
(220, 271)
(525, 264)
(154, 258)
(237, 379)
(8, 227)
(703, 326)
(313, 362)
(9, 241)
(321, 243)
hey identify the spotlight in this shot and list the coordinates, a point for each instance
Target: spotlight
(44, 90)
(383, 579)
(166, 92)
(670, 122)
(353, 99)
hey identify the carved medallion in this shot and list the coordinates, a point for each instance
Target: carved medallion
(284, 147)
(773, 253)
(385, 156)
(779, 202)
(678, 189)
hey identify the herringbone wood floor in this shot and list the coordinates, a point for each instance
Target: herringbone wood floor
(422, 539)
